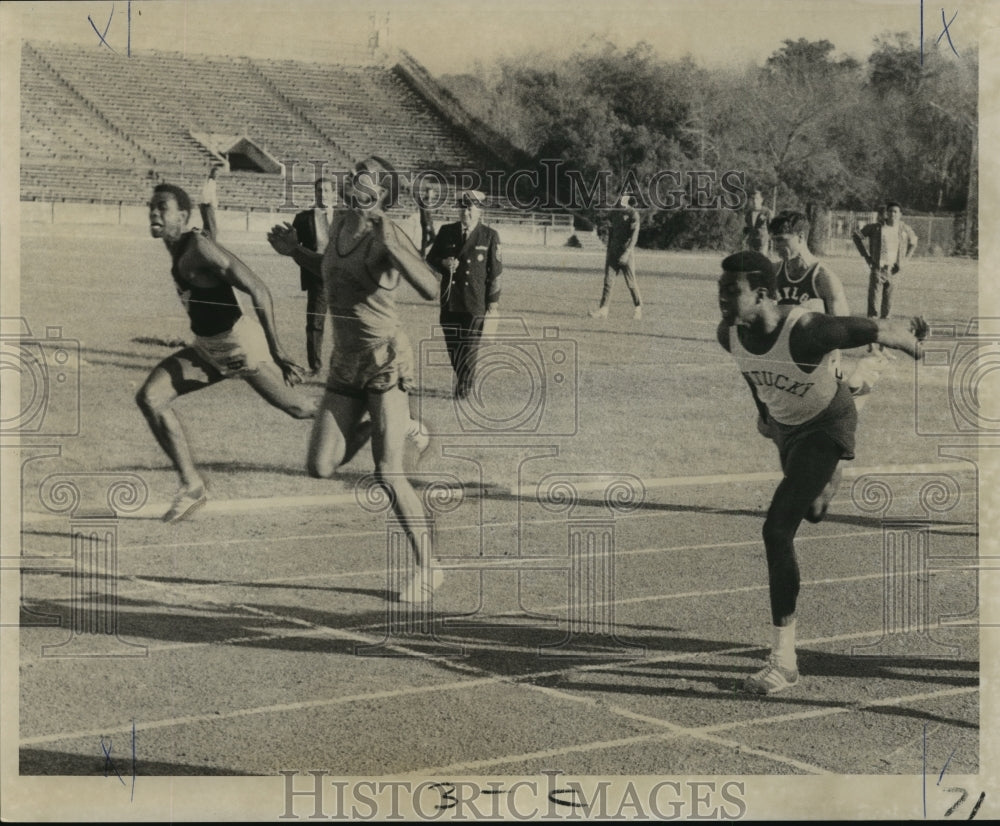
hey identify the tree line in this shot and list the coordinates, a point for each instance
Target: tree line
(813, 130)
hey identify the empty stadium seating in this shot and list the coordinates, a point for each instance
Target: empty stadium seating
(100, 127)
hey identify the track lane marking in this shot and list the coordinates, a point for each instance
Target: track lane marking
(254, 505)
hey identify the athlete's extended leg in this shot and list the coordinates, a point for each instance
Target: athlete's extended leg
(338, 433)
(808, 467)
(270, 385)
(632, 283)
(177, 375)
(390, 413)
(315, 323)
(609, 281)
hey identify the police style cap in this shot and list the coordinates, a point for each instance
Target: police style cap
(472, 197)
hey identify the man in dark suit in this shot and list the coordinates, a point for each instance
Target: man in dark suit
(312, 226)
(755, 224)
(426, 201)
(467, 254)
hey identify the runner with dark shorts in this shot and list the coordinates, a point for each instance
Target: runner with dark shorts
(783, 353)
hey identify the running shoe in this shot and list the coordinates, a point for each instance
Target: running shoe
(771, 679)
(186, 502)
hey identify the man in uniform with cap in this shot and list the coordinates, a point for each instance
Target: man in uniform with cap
(467, 254)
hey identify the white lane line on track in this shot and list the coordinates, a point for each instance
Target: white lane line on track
(701, 733)
(649, 514)
(256, 505)
(183, 593)
(812, 714)
(183, 596)
(277, 708)
(764, 476)
(181, 588)
(676, 730)
(470, 682)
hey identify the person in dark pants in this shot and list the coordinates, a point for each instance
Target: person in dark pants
(756, 222)
(467, 254)
(783, 353)
(623, 234)
(886, 246)
(312, 226)
(426, 201)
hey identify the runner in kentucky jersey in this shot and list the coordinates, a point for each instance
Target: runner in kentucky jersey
(783, 354)
(371, 368)
(227, 342)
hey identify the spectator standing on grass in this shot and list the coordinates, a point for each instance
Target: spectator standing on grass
(886, 246)
(623, 234)
(467, 254)
(371, 367)
(312, 227)
(782, 351)
(228, 342)
(755, 224)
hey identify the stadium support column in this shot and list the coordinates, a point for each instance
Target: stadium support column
(93, 502)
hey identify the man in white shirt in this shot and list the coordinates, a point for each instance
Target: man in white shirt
(890, 243)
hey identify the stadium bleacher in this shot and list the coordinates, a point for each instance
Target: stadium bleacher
(99, 127)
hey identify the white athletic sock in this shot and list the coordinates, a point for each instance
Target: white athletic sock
(784, 646)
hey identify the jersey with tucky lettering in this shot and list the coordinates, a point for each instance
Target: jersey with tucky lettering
(792, 395)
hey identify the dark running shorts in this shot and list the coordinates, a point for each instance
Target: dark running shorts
(839, 421)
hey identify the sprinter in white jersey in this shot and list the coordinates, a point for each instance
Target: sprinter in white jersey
(783, 354)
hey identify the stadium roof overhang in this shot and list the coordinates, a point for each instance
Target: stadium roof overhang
(239, 152)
